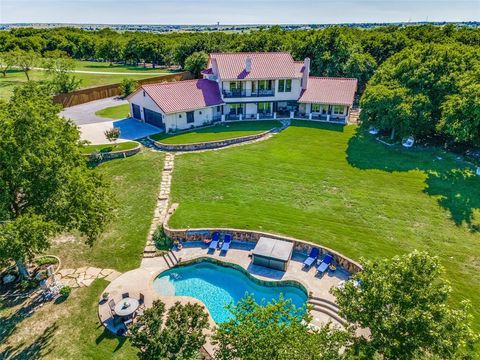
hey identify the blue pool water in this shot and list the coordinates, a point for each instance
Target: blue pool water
(217, 286)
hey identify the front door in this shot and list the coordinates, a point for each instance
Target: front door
(136, 112)
(190, 117)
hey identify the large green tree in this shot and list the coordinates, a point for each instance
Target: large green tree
(62, 77)
(276, 330)
(196, 62)
(45, 184)
(404, 302)
(178, 333)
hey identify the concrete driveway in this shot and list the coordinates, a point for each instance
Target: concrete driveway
(92, 127)
(130, 129)
(85, 113)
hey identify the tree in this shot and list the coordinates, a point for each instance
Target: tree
(45, 184)
(112, 134)
(62, 79)
(276, 330)
(7, 60)
(178, 336)
(196, 62)
(404, 303)
(128, 86)
(26, 60)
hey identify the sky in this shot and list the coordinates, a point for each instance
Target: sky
(236, 12)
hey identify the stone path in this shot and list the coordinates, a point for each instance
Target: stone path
(85, 276)
(162, 205)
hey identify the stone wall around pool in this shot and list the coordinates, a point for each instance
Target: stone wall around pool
(301, 246)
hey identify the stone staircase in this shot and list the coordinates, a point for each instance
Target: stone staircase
(354, 115)
(161, 209)
(170, 259)
(326, 307)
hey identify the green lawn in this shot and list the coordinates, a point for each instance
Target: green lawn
(105, 67)
(340, 188)
(114, 112)
(135, 182)
(218, 132)
(127, 145)
(16, 77)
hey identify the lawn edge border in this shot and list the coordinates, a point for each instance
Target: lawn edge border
(116, 154)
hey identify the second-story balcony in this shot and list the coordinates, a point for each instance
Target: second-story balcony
(247, 93)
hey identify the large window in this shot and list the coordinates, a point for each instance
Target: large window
(319, 108)
(235, 109)
(264, 107)
(285, 85)
(338, 109)
(264, 84)
(235, 85)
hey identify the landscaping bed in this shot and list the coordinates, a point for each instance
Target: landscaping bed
(107, 148)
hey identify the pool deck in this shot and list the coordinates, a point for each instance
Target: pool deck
(141, 280)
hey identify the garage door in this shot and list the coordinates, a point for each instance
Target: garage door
(136, 112)
(154, 118)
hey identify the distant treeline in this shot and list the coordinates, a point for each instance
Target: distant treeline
(424, 79)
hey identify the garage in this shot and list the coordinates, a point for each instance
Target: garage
(136, 112)
(154, 118)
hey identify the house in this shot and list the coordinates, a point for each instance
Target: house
(239, 86)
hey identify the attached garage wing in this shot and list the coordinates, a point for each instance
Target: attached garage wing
(154, 118)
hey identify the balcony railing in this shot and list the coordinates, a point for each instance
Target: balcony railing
(245, 93)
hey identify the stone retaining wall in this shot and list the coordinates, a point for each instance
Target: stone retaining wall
(252, 236)
(115, 154)
(208, 144)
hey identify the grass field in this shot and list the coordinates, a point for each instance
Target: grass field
(16, 77)
(340, 188)
(114, 112)
(127, 145)
(105, 67)
(218, 132)
(135, 182)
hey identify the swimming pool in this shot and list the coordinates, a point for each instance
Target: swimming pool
(216, 286)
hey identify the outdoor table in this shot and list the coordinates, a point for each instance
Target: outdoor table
(126, 307)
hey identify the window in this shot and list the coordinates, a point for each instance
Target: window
(143, 93)
(264, 107)
(338, 109)
(319, 108)
(285, 85)
(316, 107)
(235, 85)
(264, 84)
(235, 109)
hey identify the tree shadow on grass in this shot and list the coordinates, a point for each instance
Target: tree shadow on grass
(39, 348)
(9, 323)
(452, 180)
(106, 334)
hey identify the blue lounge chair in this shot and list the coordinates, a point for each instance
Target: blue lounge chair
(311, 258)
(214, 243)
(226, 242)
(325, 263)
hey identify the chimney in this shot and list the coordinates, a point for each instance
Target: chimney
(306, 73)
(248, 64)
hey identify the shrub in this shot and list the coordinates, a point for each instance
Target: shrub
(162, 241)
(65, 291)
(46, 260)
(127, 86)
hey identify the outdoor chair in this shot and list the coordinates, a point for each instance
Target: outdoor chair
(125, 295)
(408, 142)
(325, 263)
(226, 242)
(311, 258)
(214, 243)
(111, 305)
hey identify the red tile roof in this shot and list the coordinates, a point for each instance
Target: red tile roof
(299, 67)
(327, 90)
(265, 65)
(187, 95)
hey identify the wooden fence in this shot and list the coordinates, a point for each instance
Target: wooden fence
(101, 92)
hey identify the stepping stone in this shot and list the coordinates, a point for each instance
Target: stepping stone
(65, 272)
(88, 282)
(113, 276)
(81, 270)
(93, 271)
(150, 248)
(106, 272)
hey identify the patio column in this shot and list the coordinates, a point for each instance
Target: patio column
(275, 115)
(309, 116)
(258, 116)
(223, 117)
(240, 117)
(292, 114)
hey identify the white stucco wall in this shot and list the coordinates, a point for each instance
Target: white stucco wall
(178, 121)
(144, 102)
(279, 96)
